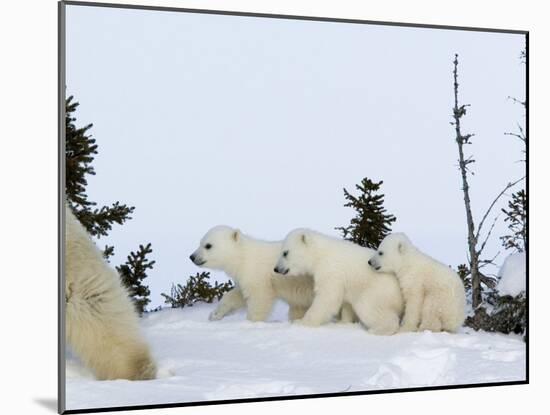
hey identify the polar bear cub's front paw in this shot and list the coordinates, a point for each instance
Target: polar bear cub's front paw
(215, 315)
(307, 322)
(407, 328)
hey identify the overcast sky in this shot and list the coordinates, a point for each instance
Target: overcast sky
(259, 123)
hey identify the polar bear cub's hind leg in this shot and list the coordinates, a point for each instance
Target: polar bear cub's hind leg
(259, 306)
(431, 315)
(379, 321)
(347, 315)
(296, 312)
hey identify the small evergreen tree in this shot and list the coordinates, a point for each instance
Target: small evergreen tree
(504, 314)
(197, 289)
(108, 252)
(371, 222)
(464, 274)
(80, 149)
(516, 216)
(132, 274)
(489, 282)
(510, 314)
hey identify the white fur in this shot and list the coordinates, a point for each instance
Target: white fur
(101, 321)
(249, 262)
(434, 294)
(341, 275)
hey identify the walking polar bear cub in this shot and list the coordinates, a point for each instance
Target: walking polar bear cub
(433, 292)
(101, 322)
(249, 262)
(341, 274)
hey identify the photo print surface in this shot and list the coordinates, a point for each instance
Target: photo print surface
(262, 207)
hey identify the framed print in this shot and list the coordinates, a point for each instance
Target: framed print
(261, 207)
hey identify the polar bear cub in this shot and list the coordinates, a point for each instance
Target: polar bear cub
(249, 262)
(341, 275)
(434, 294)
(101, 321)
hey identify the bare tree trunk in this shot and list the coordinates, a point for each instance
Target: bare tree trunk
(458, 112)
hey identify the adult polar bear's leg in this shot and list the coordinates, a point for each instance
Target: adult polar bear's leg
(101, 322)
(230, 302)
(106, 344)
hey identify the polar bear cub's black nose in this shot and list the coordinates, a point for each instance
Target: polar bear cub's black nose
(192, 257)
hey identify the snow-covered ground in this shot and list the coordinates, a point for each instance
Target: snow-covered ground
(201, 360)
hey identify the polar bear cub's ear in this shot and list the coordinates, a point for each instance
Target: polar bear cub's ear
(401, 247)
(404, 244)
(236, 235)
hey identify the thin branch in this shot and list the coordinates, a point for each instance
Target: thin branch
(521, 137)
(488, 235)
(508, 186)
(517, 101)
(520, 128)
(491, 261)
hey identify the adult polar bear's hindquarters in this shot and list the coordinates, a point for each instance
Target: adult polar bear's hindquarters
(341, 275)
(101, 322)
(434, 294)
(249, 262)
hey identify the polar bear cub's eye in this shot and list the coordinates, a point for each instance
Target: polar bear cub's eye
(207, 246)
(380, 253)
(285, 254)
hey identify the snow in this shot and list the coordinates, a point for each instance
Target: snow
(233, 358)
(512, 275)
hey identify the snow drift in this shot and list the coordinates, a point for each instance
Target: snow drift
(512, 275)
